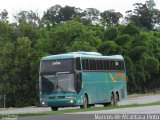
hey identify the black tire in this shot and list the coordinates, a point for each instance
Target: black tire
(106, 104)
(85, 103)
(54, 108)
(112, 100)
(116, 100)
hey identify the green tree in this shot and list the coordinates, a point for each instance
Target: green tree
(137, 53)
(27, 30)
(66, 13)
(111, 33)
(67, 29)
(111, 17)
(28, 17)
(92, 15)
(153, 69)
(80, 46)
(52, 14)
(108, 48)
(123, 40)
(131, 29)
(98, 30)
(152, 64)
(4, 15)
(131, 79)
(145, 15)
(140, 76)
(65, 34)
(57, 14)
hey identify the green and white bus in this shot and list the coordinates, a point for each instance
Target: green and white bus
(81, 79)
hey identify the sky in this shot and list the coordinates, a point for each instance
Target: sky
(15, 6)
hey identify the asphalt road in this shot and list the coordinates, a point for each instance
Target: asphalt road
(135, 100)
(91, 115)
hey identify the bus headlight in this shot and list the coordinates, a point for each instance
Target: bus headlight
(44, 104)
(71, 101)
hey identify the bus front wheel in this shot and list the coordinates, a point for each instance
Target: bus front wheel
(85, 102)
(54, 108)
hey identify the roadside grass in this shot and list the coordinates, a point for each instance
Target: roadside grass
(2, 109)
(143, 94)
(87, 110)
(138, 95)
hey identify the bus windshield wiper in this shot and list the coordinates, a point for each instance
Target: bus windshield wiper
(58, 86)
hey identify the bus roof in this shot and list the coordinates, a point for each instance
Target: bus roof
(82, 54)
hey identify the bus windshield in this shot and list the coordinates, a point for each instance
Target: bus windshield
(54, 66)
(57, 83)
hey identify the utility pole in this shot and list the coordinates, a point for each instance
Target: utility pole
(4, 101)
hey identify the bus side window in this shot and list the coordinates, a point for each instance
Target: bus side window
(105, 64)
(85, 64)
(109, 65)
(78, 64)
(101, 65)
(92, 64)
(122, 65)
(112, 65)
(117, 65)
(98, 64)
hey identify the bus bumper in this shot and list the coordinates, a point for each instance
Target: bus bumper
(60, 102)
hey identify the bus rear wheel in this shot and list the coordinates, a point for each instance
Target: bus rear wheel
(85, 102)
(114, 100)
(54, 108)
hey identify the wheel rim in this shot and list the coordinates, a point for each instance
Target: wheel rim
(112, 100)
(116, 100)
(85, 102)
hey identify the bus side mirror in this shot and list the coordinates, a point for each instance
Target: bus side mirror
(78, 80)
